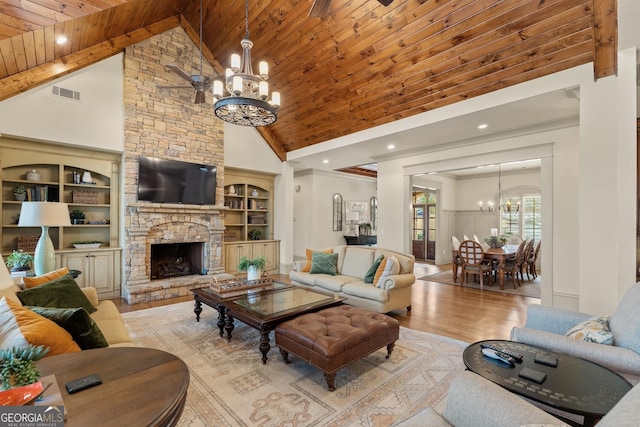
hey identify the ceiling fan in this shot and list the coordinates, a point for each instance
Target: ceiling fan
(319, 8)
(198, 82)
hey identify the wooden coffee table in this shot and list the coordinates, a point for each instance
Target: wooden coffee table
(575, 386)
(140, 386)
(263, 310)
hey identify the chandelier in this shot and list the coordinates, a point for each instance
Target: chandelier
(506, 207)
(247, 103)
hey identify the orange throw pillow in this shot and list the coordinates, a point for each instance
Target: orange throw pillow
(309, 253)
(31, 282)
(21, 326)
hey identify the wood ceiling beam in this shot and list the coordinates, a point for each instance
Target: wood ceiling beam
(23, 81)
(605, 37)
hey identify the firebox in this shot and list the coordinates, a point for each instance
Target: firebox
(176, 259)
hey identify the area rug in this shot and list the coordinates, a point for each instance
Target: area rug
(528, 288)
(230, 386)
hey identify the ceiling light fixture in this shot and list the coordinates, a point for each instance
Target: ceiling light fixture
(483, 126)
(390, 147)
(62, 39)
(247, 104)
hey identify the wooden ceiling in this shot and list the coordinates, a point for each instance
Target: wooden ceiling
(360, 66)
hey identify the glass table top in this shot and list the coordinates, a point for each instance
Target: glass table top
(282, 300)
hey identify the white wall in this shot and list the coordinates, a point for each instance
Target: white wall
(313, 207)
(96, 121)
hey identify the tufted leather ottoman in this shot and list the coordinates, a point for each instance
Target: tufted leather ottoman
(334, 337)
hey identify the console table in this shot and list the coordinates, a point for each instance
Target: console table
(361, 240)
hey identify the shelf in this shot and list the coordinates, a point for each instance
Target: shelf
(242, 208)
(88, 186)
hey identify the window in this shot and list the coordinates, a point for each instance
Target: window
(522, 216)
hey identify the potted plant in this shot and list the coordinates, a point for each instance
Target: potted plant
(18, 365)
(496, 241)
(255, 234)
(252, 266)
(19, 261)
(20, 192)
(77, 216)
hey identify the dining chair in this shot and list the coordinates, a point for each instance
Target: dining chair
(531, 262)
(514, 265)
(477, 239)
(465, 237)
(472, 256)
(455, 243)
(528, 251)
(514, 240)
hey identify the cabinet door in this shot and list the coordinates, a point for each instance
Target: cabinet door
(101, 271)
(233, 253)
(77, 261)
(270, 251)
(96, 269)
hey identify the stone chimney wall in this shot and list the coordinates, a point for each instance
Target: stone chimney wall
(165, 123)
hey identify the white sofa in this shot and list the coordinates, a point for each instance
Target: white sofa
(353, 264)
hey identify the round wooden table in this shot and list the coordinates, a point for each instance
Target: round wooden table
(140, 386)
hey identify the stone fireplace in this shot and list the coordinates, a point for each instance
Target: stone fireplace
(186, 241)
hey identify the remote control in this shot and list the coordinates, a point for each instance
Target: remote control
(489, 352)
(83, 383)
(511, 353)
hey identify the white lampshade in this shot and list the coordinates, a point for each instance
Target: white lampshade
(44, 215)
(37, 214)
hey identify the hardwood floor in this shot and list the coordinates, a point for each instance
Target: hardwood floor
(462, 313)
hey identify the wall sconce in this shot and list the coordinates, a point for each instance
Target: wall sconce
(488, 209)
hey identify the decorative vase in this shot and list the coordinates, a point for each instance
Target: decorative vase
(254, 193)
(253, 273)
(20, 197)
(86, 177)
(33, 175)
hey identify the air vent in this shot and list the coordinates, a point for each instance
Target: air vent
(65, 93)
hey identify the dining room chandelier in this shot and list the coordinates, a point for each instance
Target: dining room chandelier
(506, 207)
(246, 104)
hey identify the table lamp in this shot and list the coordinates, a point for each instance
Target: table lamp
(45, 215)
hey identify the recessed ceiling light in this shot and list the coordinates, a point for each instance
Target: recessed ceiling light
(62, 39)
(483, 126)
(432, 173)
(390, 147)
(325, 161)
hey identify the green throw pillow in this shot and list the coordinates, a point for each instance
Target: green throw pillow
(78, 323)
(324, 263)
(368, 278)
(62, 292)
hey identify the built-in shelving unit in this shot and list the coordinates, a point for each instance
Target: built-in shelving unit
(47, 171)
(248, 219)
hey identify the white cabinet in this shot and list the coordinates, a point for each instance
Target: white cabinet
(99, 270)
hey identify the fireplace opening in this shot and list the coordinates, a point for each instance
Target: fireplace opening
(176, 259)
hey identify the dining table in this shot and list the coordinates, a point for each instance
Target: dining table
(490, 254)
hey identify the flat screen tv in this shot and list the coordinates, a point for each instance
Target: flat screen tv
(173, 181)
